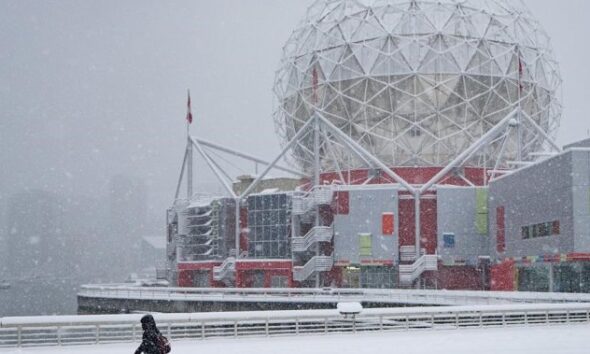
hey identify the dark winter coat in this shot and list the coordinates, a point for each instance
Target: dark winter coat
(149, 343)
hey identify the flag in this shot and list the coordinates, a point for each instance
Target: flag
(189, 113)
(520, 73)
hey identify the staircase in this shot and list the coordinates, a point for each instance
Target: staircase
(409, 273)
(316, 264)
(225, 270)
(319, 195)
(315, 235)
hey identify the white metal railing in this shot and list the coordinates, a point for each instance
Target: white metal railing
(226, 268)
(91, 330)
(409, 273)
(322, 195)
(315, 235)
(319, 195)
(408, 253)
(306, 295)
(316, 264)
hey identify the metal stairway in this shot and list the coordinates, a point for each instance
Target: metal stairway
(226, 270)
(409, 273)
(315, 264)
(319, 195)
(315, 235)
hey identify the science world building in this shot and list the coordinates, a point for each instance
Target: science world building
(420, 141)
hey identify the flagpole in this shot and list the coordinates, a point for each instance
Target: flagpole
(189, 151)
(519, 128)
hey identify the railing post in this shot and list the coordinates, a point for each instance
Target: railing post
(97, 334)
(381, 322)
(326, 325)
(266, 327)
(58, 329)
(19, 336)
(202, 330)
(235, 328)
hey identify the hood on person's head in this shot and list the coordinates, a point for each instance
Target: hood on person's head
(148, 321)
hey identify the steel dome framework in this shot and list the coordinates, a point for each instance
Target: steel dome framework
(418, 82)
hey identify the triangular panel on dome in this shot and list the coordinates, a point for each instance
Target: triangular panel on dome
(388, 63)
(382, 100)
(481, 22)
(348, 67)
(334, 37)
(481, 62)
(366, 55)
(438, 14)
(438, 58)
(464, 52)
(389, 16)
(369, 28)
(350, 26)
(501, 54)
(293, 80)
(460, 26)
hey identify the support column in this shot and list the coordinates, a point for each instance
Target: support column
(551, 279)
(417, 233)
(189, 175)
(238, 228)
(316, 182)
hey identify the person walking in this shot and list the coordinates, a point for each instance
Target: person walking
(152, 341)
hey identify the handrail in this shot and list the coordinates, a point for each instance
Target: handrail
(306, 295)
(318, 195)
(91, 330)
(316, 264)
(316, 234)
(409, 273)
(228, 265)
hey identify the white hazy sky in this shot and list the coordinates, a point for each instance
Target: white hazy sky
(94, 88)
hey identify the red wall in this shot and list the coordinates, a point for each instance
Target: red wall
(457, 278)
(413, 175)
(186, 273)
(503, 276)
(245, 271)
(428, 224)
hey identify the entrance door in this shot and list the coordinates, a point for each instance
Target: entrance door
(351, 278)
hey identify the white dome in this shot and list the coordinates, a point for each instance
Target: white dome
(417, 82)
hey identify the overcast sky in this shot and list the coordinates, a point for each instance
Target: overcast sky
(94, 88)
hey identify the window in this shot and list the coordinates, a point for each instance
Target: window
(526, 233)
(365, 245)
(541, 230)
(449, 240)
(270, 226)
(279, 281)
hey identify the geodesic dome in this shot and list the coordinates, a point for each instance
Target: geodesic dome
(417, 82)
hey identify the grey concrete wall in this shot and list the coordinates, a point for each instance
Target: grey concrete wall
(456, 214)
(537, 194)
(581, 199)
(366, 210)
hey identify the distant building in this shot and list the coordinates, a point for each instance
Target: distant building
(127, 220)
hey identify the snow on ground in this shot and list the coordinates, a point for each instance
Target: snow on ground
(538, 340)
